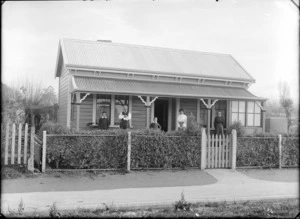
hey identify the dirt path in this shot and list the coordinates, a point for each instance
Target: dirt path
(82, 181)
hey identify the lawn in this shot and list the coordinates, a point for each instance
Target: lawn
(287, 208)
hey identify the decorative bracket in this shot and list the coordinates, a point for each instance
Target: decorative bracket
(147, 104)
(78, 100)
(260, 106)
(209, 106)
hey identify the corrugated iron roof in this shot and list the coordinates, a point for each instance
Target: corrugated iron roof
(87, 84)
(115, 56)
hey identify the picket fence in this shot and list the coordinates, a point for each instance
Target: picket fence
(17, 150)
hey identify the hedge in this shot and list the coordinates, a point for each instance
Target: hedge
(290, 151)
(264, 151)
(99, 149)
(162, 151)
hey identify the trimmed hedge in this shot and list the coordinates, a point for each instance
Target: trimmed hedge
(257, 152)
(162, 151)
(264, 151)
(290, 151)
(100, 149)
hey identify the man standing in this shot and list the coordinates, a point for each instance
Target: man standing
(125, 117)
(103, 122)
(182, 120)
(219, 124)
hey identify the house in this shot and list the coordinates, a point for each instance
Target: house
(97, 76)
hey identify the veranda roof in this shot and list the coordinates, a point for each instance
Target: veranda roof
(135, 87)
(144, 59)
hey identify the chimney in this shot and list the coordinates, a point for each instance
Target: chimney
(104, 41)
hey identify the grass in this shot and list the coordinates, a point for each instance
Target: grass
(287, 208)
(15, 171)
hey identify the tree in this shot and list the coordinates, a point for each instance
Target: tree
(20, 100)
(285, 101)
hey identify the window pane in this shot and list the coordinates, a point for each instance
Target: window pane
(242, 118)
(257, 109)
(257, 120)
(242, 106)
(234, 105)
(250, 120)
(234, 117)
(250, 107)
(203, 117)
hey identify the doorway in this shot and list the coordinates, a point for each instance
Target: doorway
(161, 112)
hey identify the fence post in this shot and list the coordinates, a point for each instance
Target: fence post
(233, 149)
(13, 139)
(128, 151)
(44, 151)
(6, 144)
(280, 152)
(203, 150)
(19, 143)
(25, 143)
(30, 165)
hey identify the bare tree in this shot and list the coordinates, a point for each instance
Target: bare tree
(286, 102)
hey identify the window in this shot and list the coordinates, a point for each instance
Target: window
(103, 105)
(238, 111)
(221, 106)
(120, 101)
(253, 114)
(203, 114)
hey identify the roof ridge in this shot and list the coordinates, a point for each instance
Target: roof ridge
(150, 47)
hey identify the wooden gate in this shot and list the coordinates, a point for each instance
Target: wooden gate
(19, 145)
(218, 151)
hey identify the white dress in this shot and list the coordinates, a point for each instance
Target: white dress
(182, 119)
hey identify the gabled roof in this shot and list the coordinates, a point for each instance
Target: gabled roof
(144, 59)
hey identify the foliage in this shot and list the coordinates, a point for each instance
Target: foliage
(238, 127)
(193, 127)
(285, 101)
(263, 151)
(17, 98)
(257, 152)
(290, 151)
(104, 149)
(53, 212)
(163, 151)
(182, 204)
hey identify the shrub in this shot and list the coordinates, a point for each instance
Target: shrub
(257, 152)
(290, 151)
(193, 127)
(238, 127)
(160, 150)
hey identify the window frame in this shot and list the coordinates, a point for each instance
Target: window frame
(254, 113)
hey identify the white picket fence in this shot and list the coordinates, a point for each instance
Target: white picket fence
(17, 149)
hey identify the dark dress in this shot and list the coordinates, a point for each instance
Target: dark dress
(219, 125)
(103, 123)
(124, 124)
(155, 126)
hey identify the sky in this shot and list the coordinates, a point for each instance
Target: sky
(262, 35)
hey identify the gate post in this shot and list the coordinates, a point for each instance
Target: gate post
(203, 150)
(233, 149)
(44, 151)
(128, 151)
(280, 151)
(30, 164)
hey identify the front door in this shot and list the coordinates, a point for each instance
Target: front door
(161, 112)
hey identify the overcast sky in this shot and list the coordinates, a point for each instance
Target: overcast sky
(262, 35)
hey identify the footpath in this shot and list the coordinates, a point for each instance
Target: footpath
(230, 186)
